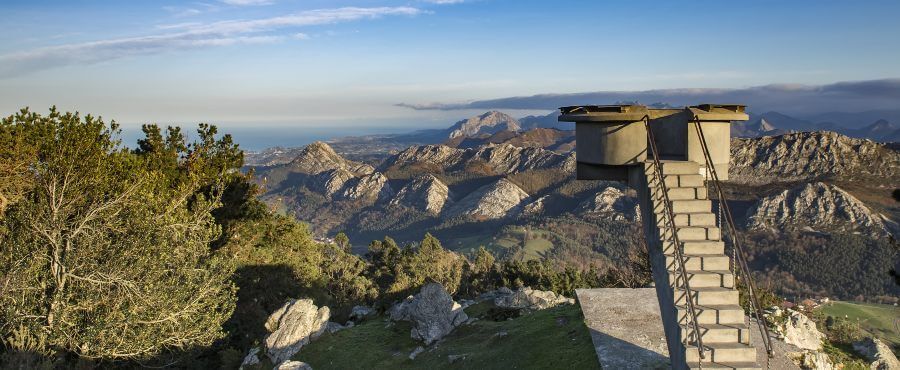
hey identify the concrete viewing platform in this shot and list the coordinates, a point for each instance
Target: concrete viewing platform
(625, 327)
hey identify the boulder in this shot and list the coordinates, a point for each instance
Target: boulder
(800, 331)
(292, 326)
(400, 311)
(333, 327)
(251, 358)
(879, 353)
(814, 360)
(433, 314)
(293, 365)
(359, 313)
(527, 298)
(416, 352)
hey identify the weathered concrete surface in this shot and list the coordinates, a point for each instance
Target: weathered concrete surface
(625, 327)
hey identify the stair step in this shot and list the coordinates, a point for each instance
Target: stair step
(710, 262)
(688, 193)
(713, 314)
(708, 296)
(695, 219)
(691, 206)
(680, 168)
(706, 279)
(722, 353)
(699, 233)
(699, 247)
(725, 366)
(683, 181)
(718, 333)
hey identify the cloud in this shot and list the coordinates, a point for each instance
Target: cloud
(247, 2)
(444, 2)
(185, 36)
(301, 36)
(847, 96)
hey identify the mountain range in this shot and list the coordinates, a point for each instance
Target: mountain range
(489, 181)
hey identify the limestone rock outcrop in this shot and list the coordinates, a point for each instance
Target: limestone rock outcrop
(496, 158)
(487, 123)
(615, 201)
(292, 326)
(425, 193)
(433, 313)
(818, 206)
(493, 201)
(320, 157)
(527, 298)
(810, 155)
(878, 353)
(536, 207)
(372, 187)
(293, 365)
(801, 332)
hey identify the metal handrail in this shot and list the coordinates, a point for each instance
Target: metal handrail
(676, 244)
(740, 257)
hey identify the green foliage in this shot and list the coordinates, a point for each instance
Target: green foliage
(844, 266)
(105, 254)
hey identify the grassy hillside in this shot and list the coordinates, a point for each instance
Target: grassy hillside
(552, 338)
(880, 320)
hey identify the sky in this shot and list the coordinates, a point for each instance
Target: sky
(370, 65)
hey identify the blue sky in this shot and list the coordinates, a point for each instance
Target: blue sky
(309, 63)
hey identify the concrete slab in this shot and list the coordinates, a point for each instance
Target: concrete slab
(625, 327)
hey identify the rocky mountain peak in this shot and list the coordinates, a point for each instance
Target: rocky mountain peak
(319, 157)
(487, 123)
(426, 193)
(803, 156)
(818, 206)
(493, 201)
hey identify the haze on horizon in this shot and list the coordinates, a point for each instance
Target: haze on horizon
(413, 64)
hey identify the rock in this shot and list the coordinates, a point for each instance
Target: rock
(320, 157)
(251, 358)
(616, 202)
(400, 310)
(293, 365)
(487, 123)
(527, 298)
(372, 187)
(493, 201)
(800, 331)
(425, 193)
(416, 352)
(878, 353)
(349, 324)
(360, 313)
(535, 208)
(292, 326)
(814, 360)
(805, 156)
(333, 327)
(496, 158)
(331, 183)
(818, 206)
(434, 314)
(455, 358)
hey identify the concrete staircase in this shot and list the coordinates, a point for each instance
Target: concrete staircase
(724, 330)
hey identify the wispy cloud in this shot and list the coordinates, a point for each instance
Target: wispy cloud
(444, 2)
(793, 98)
(247, 2)
(185, 36)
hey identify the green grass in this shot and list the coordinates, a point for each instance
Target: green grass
(499, 243)
(877, 319)
(552, 338)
